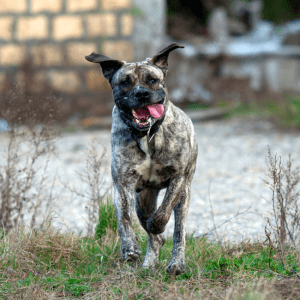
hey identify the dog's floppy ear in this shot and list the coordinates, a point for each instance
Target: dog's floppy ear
(161, 59)
(109, 66)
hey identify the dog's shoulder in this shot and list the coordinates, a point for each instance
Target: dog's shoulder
(178, 117)
(178, 121)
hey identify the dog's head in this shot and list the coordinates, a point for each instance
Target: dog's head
(139, 89)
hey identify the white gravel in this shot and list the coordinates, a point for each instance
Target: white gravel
(230, 170)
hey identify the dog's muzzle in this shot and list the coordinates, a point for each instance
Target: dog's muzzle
(141, 93)
(143, 116)
(146, 115)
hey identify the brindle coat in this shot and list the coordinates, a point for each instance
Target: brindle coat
(140, 169)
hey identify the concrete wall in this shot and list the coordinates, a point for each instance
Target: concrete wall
(149, 27)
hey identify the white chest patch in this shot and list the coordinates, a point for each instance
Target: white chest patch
(148, 169)
(144, 145)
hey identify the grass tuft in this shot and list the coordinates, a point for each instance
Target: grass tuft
(107, 219)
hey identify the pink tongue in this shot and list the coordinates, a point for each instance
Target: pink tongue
(156, 111)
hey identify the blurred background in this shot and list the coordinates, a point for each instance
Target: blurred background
(240, 57)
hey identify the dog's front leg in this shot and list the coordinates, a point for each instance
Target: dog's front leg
(157, 223)
(124, 202)
(177, 197)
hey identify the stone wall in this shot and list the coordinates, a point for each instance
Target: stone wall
(56, 35)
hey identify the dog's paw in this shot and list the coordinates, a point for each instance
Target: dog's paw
(153, 251)
(132, 255)
(176, 267)
(131, 252)
(155, 227)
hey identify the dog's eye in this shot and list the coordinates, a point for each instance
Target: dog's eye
(108, 70)
(153, 81)
(125, 82)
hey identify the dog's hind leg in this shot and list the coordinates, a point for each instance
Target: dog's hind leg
(146, 203)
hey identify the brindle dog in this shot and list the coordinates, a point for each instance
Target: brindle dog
(153, 147)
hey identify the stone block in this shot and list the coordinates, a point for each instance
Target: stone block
(2, 81)
(39, 83)
(6, 28)
(12, 55)
(77, 51)
(46, 55)
(67, 27)
(46, 5)
(115, 4)
(102, 24)
(79, 5)
(15, 6)
(289, 74)
(96, 82)
(122, 50)
(32, 28)
(19, 78)
(64, 81)
(126, 25)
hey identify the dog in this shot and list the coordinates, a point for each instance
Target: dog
(153, 147)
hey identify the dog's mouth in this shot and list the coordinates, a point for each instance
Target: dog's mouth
(142, 115)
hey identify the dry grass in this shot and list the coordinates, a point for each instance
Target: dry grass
(46, 264)
(43, 263)
(284, 181)
(22, 180)
(94, 178)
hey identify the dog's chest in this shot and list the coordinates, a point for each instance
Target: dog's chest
(148, 168)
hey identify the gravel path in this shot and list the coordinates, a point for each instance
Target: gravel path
(230, 169)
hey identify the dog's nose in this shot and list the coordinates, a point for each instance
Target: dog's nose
(141, 93)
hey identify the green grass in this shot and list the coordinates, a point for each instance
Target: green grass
(287, 113)
(76, 266)
(107, 219)
(196, 106)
